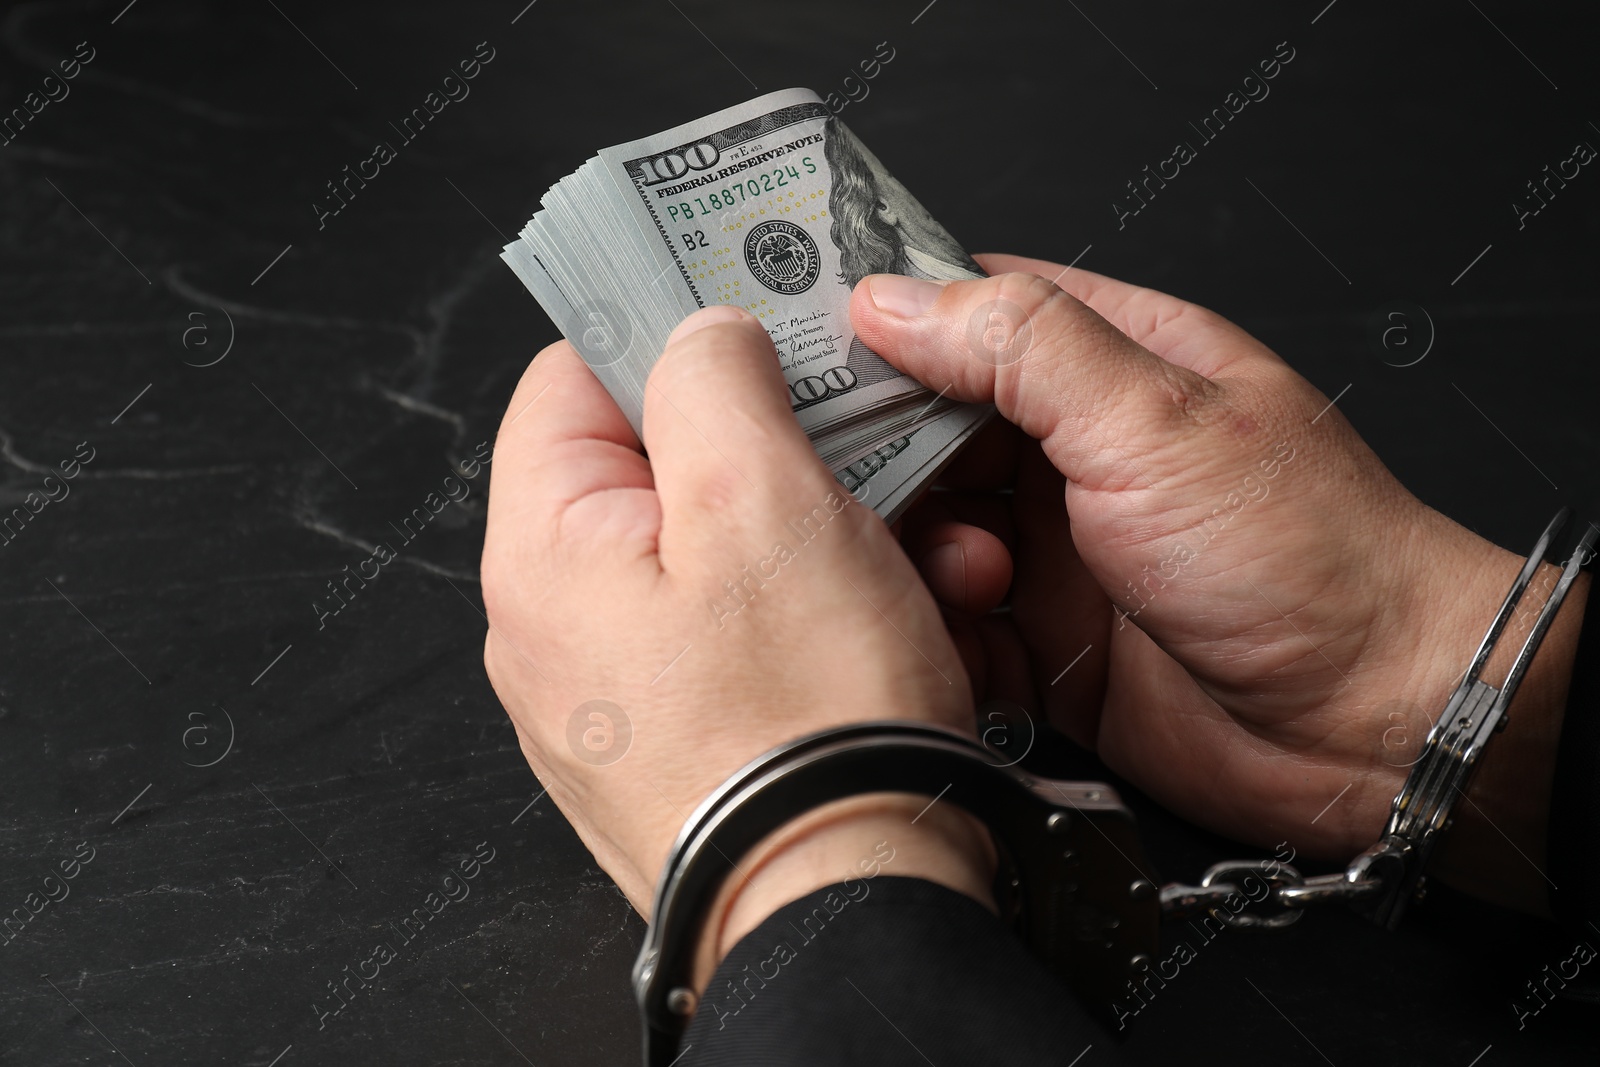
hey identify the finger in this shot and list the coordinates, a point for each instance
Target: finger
(562, 440)
(1048, 362)
(965, 567)
(581, 409)
(990, 512)
(1176, 330)
(722, 437)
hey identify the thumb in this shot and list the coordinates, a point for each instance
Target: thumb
(1106, 409)
(726, 450)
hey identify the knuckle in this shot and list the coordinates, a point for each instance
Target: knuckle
(1008, 317)
(1033, 292)
(1055, 317)
(1030, 327)
(491, 666)
(513, 570)
(1184, 396)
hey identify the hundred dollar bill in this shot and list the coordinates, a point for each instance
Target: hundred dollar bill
(776, 207)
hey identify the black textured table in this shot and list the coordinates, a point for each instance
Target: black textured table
(254, 380)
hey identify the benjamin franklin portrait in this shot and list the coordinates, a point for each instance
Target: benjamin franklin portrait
(878, 226)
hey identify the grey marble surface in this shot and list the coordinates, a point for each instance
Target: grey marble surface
(265, 387)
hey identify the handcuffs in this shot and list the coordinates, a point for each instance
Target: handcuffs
(1073, 880)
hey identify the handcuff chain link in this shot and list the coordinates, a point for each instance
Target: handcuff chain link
(1263, 894)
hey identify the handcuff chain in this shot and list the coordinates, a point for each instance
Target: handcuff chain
(1263, 894)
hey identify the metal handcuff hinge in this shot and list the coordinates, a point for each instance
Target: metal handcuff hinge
(1073, 879)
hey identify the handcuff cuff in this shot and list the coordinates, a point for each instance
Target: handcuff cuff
(1072, 877)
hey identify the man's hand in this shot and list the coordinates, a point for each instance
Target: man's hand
(656, 623)
(1218, 586)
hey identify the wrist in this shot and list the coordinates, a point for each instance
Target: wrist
(1447, 583)
(1493, 847)
(1496, 843)
(849, 841)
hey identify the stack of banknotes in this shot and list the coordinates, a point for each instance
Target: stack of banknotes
(773, 206)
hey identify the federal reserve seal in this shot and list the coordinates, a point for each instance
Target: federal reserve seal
(783, 257)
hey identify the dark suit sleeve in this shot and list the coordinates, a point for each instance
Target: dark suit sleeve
(1574, 826)
(905, 973)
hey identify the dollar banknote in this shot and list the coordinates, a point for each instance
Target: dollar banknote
(774, 206)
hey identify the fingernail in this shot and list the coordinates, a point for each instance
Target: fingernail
(903, 297)
(706, 317)
(946, 566)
